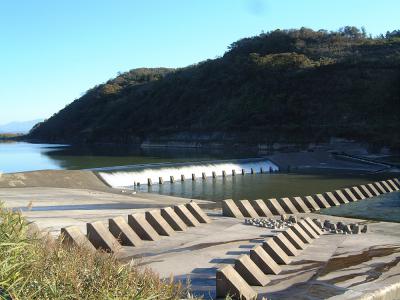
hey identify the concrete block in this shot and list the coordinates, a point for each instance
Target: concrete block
(264, 261)
(229, 282)
(120, 229)
(288, 206)
(367, 193)
(373, 189)
(142, 228)
(186, 215)
(294, 239)
(356, 191)
(101, 237)
(307, 229)
(276, 252)
(349, 194)
(246, 209)
(397, 181)
(300, 204)
(379, 187)
(313, 226)
(392, 184)
(281, 240)
(275, 207)
(73, 236)
(197, 212)
(321, 201)
(386, 186)
(261, 208)
(311, 203)
(305, 238)
(159, 224)
(341, 197)
(331, 198)
(173, 219)
(230, 209)
(250, 272)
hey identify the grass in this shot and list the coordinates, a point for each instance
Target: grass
(33, 267)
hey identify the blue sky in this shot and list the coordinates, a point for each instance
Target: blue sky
(53, 51)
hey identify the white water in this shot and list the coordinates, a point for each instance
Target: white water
(129, 178)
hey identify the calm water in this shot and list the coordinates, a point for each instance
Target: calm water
(18, 157)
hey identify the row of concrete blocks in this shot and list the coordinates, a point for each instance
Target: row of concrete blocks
(294, 205)
(213, 174)
(149, 226)
(253, 269)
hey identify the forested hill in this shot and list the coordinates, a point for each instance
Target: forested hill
(293, 86)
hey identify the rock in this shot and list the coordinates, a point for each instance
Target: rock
(365, 229)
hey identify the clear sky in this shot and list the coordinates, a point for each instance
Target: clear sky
(53, 51)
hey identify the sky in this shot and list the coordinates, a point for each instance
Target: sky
(51, 52)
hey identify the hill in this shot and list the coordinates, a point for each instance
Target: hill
(18, 127)
(295, 86)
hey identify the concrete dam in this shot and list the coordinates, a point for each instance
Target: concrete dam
(125, 177)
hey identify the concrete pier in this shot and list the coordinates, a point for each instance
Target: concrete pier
(294, 239)
(341, 197)
(303, 236)
(299, 203)
(275, 207)
(246, 209)
(186, 215)
(261, 208)
(321, 201)
(264, 261)
(73, 236)
(281, 240)
(309, 200)
(173, 219)
(288, 206)
(276, 252)
(356, 191)
(197, 212)
(230, 209)
(331, 198)
(229, 282)
(349, 194)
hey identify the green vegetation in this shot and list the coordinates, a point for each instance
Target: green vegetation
(40, 268)
(9, 136)
(295, 86)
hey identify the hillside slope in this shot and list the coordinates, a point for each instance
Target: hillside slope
(294, 86)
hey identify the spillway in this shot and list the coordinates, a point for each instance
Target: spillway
(119, 177)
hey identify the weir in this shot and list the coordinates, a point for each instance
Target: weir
(166, 172)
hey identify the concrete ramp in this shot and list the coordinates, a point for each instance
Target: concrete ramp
(311, 203)
(142, 228)
(288, 206)
(294, 239)
(392, 184)
(73, 236)
(281, 240)
(367, 193)
(321, 201)
(250, 272)
(331, 198)
(308, 230)
(379, 187)
(101, 237)
(303, 236)
(300, 205)
(261, 208)
(229, 282)
(373, 189)
(159, 224)
(341, 197)
(313, 226)
(275, 207)
(386, 186)
(264, 261)
(197, 212)
(276, 252)
(186, 215)
(356, 191)
(230, 209)
(246, 209)
(173, 219)
(123, 232)
(349, 194)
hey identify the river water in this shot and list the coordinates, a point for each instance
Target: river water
(123, 165)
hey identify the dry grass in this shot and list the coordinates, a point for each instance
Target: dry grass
(36, 268)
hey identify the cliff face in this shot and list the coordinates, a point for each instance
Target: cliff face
(294, 86)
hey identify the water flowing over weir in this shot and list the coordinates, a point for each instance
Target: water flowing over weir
(140, 174)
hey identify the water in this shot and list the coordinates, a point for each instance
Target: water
(383, 208)
(21, 156)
